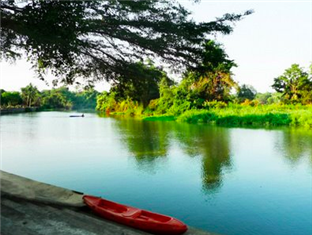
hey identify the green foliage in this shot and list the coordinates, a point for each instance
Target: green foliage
(85, 99)
(268, 119)
(214, 104)
(30, 95)
(100, 39)
(262, 115)
(197, 116)
(295, 85)
(141, 83)
(107, 102)
(58, 98)
(1, 92)
(302, 118)
(10, 98)
(246, 92)
(211, 80)
(268, 98)
(213, 59)
(63, 98)
(166, 100)
(204, 96)
(160, 118)
(173, 102)
(55, 99)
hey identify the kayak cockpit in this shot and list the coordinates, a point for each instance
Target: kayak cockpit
(132, 212)
(111, 206)
(155, 217)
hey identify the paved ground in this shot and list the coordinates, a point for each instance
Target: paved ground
(31, 208)
(24, 217)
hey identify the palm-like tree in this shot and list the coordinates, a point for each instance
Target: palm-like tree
(293, 84)
(29, 94)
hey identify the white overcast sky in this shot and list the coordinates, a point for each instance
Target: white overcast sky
(263, 44)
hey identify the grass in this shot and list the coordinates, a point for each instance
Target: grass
(219, 114)
(263, 115)
(159, 118)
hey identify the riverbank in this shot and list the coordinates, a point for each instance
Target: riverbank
(32, 207)
(236, 115)
(258, 116)
(17, 110)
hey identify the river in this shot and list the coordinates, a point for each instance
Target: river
(224, 180)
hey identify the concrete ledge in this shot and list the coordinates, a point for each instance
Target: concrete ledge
(31, 207)
(33, 190)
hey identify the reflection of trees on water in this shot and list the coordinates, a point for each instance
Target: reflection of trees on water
(147, 141)
(296, 144)
(213, 144)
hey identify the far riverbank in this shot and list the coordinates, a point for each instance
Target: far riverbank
(231, 115)
(18, 110)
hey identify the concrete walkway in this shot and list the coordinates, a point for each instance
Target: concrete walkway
(30, 207)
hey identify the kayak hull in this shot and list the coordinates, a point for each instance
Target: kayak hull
(134, 217)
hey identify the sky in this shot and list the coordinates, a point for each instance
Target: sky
(264, 44)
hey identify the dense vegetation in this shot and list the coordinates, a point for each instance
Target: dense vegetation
(57, 98)
(207, 97)
(295, 85)
(115, 40)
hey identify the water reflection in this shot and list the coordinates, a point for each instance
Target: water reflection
(148, 141)
(295, 144)
(213, 144)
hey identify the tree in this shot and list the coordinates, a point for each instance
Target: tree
(85, 99)
(295, 85)
(211, 80)
(11, 98)
(263, 98)
(268, 97)
(101, 39)
(1, 99)
(246, 92)
(29, 94)
(213, 59)
(55, 99)
(141, 83)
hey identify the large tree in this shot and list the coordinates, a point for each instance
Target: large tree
(10, 98)
(295, 85)
(29, 94)
(99, 39)
(212, 79)
(141, 83)
(245, 92)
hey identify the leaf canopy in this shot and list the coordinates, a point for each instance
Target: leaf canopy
(100, 39)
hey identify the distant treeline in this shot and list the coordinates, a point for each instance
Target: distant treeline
(56, 98)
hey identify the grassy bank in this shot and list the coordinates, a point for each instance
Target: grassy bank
(240, 115)
(218, 113)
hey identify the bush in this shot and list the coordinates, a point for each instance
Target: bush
(215, 104)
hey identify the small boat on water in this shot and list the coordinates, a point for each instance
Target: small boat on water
(134, 217)
(77, 115)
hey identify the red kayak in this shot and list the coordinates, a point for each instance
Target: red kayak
(134, 217)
